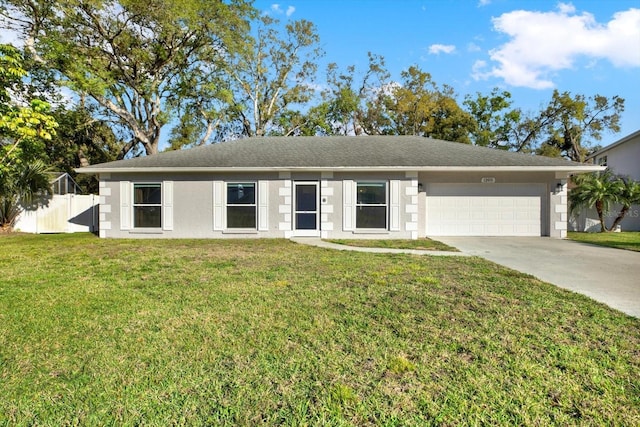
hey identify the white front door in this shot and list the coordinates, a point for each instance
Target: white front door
(306, 215)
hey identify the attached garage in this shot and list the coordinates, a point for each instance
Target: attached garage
(485, 209)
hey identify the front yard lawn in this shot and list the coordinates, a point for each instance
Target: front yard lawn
(246, 332)
(629, 240)
(422, 244)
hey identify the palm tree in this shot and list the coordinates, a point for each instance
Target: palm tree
(629, 195)
(21, 186)
(597, 189)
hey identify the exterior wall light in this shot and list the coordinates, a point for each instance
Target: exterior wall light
(558, 188)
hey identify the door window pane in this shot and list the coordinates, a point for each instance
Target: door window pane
(305, 221)
(306, 199)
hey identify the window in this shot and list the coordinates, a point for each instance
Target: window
(371, 205)
(241, 205)
(147, 205)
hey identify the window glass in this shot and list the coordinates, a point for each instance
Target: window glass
(371, 205)
(372, 193)
(147, 205)
(241, 205)
(147, 194)
(241, 193)
(371, 217)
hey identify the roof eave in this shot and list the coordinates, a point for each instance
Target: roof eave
(614, 145)
(567, 169)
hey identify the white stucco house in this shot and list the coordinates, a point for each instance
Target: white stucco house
(622, 158)
(334, 187)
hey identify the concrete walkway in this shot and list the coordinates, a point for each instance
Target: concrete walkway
(328, 245)
(608, 275)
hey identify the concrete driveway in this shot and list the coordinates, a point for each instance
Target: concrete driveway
(608, 275)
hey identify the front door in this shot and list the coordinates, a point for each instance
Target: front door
(306, 214)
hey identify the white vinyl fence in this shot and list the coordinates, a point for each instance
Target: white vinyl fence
(68, 213)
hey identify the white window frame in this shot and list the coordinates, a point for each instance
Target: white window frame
(227, 205)
(358, 205)
(134, 205)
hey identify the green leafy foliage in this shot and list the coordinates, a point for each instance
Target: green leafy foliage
(494, 119)
(131, 57)
(567, 127)
(23, 133)
(602, 190)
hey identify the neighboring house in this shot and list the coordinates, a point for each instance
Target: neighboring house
(623, 158)
(62, 183)
(335, 187)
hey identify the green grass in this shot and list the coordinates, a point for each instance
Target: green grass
(246, 332)
(629, 240)
(422, 244)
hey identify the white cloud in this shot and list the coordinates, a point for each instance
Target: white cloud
(436, 49)
(543, 43)
(484, 3)
(472, 47)
(277, 9)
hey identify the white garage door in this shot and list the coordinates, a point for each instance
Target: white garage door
(484, 209)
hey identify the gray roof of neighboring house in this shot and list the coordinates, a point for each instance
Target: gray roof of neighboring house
(334, 152)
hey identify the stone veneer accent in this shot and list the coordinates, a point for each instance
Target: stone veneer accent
(284, 206)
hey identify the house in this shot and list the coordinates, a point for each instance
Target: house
(335, 187)
(622, 158)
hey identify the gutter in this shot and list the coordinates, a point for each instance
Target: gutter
(566, 169)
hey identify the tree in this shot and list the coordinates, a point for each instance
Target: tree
(600, 190)
(259, 82)
(629, 195)
(23, 131)
(274, 72)
(417, 106)
(81, 139)
(21, 186)
(575, 121)
(495, 120)
(566, 127)
(131, 57)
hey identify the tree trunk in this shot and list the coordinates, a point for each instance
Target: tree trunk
(603, 228)
(620, 217)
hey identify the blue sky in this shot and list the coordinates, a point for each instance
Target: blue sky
(529, 48)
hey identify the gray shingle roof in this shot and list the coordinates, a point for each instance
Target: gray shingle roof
(410, 152)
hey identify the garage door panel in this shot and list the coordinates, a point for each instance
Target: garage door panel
(481, 210)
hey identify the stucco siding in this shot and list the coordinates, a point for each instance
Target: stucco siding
(194, 211)
(623, 159)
